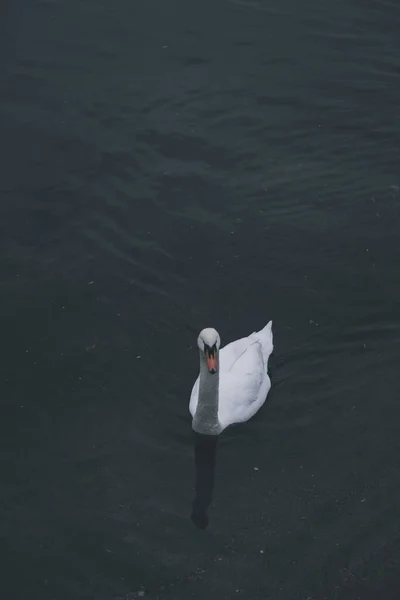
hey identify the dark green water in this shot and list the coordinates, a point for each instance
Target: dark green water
(167, 166)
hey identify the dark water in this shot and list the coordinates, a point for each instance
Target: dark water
(167, 166)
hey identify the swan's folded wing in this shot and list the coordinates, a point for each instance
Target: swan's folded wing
(230, 353)
(243, 390)
(250, 360)
(240, 398)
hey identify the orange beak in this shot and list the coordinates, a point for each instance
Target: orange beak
(211, 357)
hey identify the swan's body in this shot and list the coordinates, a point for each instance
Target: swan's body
(237, 388)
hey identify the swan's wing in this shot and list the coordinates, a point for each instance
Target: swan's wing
(229, 354)
(243, 390)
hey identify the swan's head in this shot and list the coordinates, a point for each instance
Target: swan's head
(209, 343)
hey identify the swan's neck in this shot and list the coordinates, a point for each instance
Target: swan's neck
(206, 417)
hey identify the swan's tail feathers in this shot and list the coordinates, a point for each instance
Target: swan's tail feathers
(268, 327)
(267, 341)
(266, 332)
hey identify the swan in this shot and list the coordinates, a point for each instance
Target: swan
(233, 382)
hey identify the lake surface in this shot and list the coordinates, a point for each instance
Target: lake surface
(167, 166)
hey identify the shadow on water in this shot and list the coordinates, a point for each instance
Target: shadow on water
(205, 454)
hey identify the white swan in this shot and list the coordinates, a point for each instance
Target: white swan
(233, 383)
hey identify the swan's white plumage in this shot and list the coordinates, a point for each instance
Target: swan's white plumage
(243, 381)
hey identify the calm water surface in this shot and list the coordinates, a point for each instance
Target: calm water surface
(167, 166)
